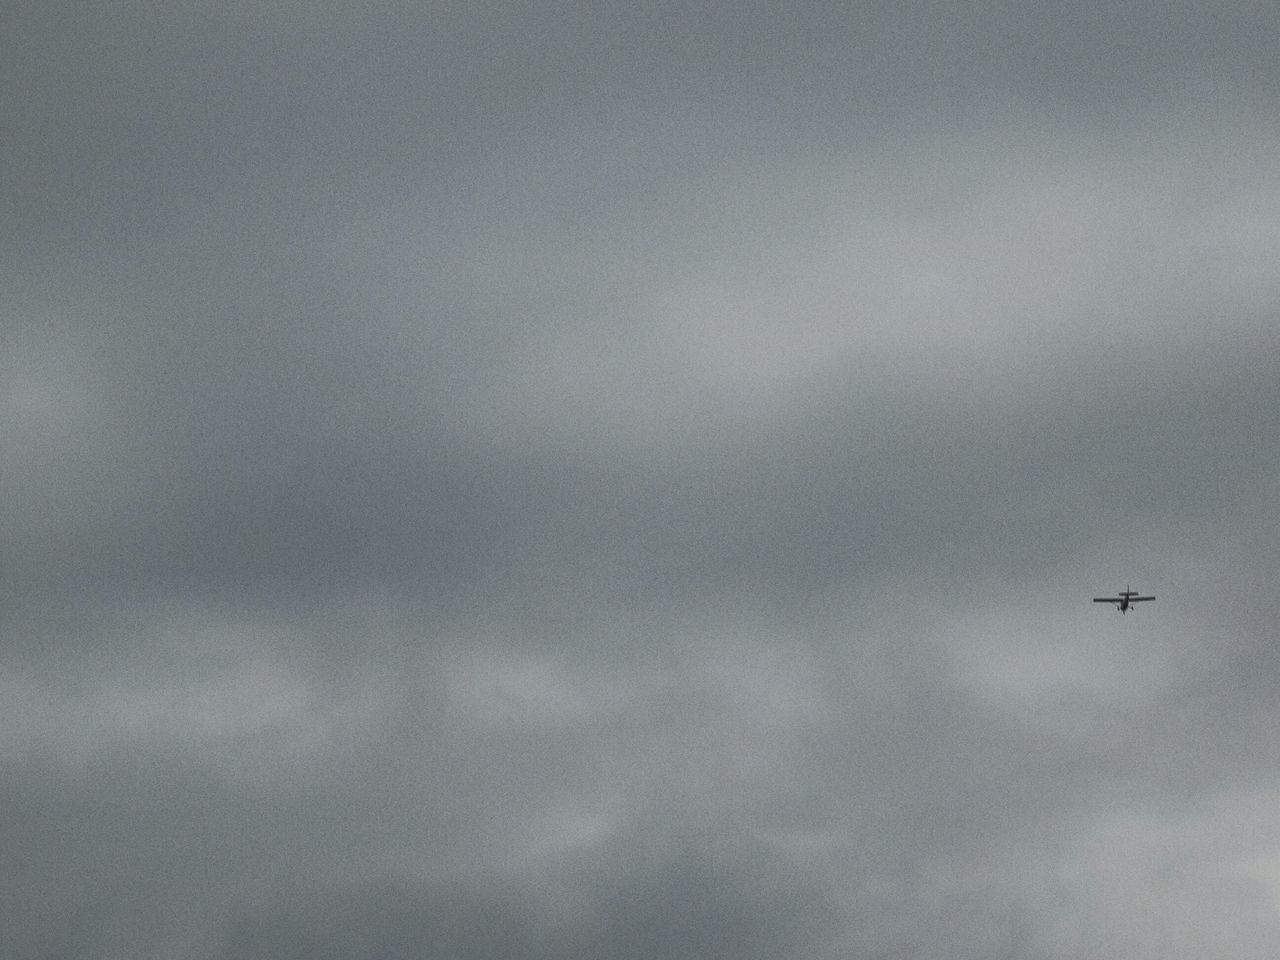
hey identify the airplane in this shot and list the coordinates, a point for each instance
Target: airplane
(1126, 599)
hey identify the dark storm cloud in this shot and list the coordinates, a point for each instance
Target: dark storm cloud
(505, 479)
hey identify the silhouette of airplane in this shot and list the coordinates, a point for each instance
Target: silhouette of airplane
(1126, 599)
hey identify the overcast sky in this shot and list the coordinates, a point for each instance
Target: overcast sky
(538, 480)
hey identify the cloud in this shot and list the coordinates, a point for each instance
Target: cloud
(516, 480)
(383, 920)
(708, 898)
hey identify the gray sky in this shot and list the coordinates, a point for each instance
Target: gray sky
(529, 480)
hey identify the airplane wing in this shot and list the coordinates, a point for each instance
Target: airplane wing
(1136, 599)
(1109, 599)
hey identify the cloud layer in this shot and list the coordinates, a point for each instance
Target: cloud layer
(503, 480)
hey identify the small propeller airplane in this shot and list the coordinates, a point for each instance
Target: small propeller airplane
(1126, 599)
